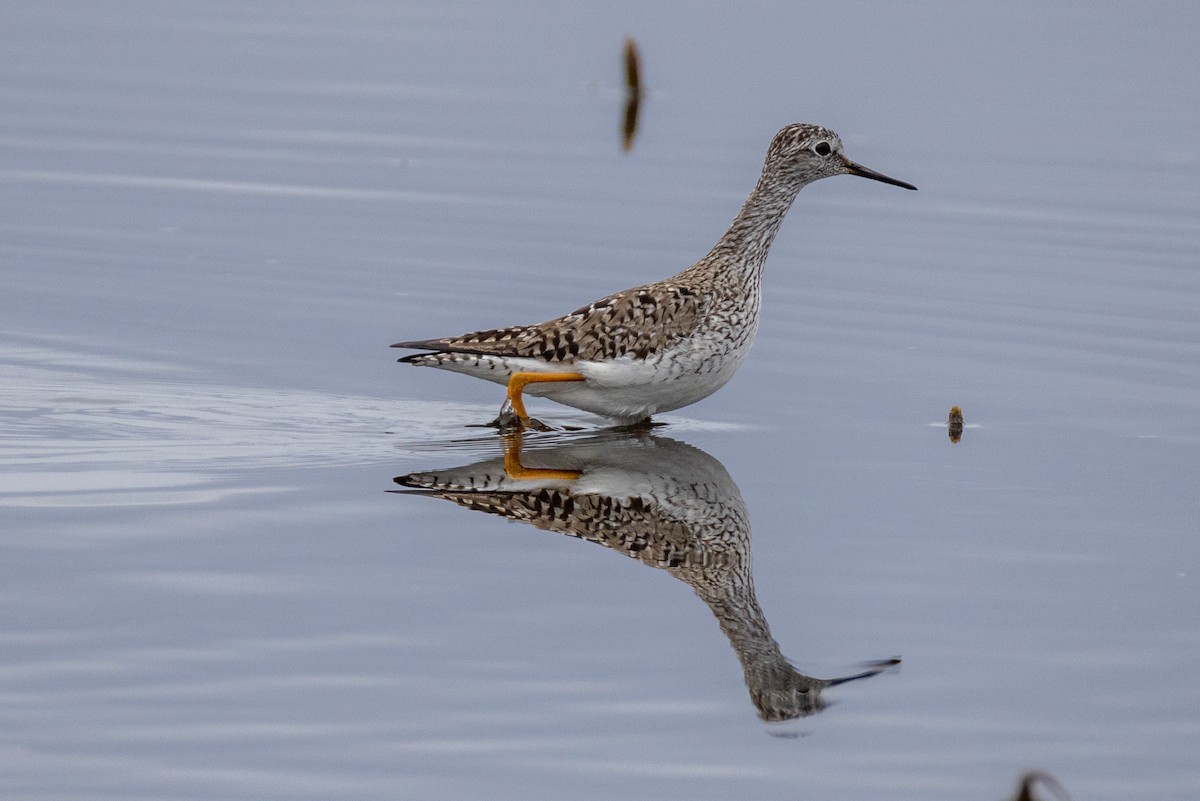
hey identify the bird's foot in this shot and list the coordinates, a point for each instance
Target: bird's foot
(643, 426)
(508, 421)
(516, 471)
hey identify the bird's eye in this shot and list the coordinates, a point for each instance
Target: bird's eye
(822, 148)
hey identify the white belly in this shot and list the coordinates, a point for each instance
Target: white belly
(625, 388)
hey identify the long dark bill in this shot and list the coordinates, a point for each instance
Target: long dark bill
(858, 169)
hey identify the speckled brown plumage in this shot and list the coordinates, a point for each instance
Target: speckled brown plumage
(667, 344)
(666, 504)
(626, 525)
(637, 322)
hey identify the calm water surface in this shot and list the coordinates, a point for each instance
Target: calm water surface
(214, 219)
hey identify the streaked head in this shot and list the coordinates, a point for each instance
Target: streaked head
(807, 152)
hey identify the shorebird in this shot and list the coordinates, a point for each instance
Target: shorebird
(660, 346)
(662, 502)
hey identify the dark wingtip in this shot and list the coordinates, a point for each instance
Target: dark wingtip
(410, 358)
(424, 344)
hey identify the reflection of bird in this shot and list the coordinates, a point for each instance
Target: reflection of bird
(662, 502)
(664, 345)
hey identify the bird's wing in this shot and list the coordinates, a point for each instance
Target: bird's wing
(637, 322)
(633, 526)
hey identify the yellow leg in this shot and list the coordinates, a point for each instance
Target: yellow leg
(517, 471)
(517, 382)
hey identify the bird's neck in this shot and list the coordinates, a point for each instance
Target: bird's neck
(778, 690)
(744, 246)
(736, 609)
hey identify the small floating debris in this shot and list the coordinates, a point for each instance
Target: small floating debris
(955, 424)
(1030, 779)
(633, 94)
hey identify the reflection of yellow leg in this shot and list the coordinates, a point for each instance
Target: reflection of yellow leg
(517, 382)
(517, 471)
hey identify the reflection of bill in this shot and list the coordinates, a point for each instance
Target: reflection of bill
(662, 502)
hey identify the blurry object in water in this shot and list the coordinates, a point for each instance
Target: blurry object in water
(633, 94)
(664, 503)
(633, 67)
(1030, 779)
(955, 424)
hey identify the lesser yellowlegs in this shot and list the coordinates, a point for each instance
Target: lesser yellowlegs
(663, 345)
(668, 505)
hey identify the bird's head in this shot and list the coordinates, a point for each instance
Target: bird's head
(807, 152)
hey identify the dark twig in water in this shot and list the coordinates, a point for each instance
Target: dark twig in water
(1031, 778)
(633, 94)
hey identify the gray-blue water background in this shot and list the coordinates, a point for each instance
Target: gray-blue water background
(214, 218)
